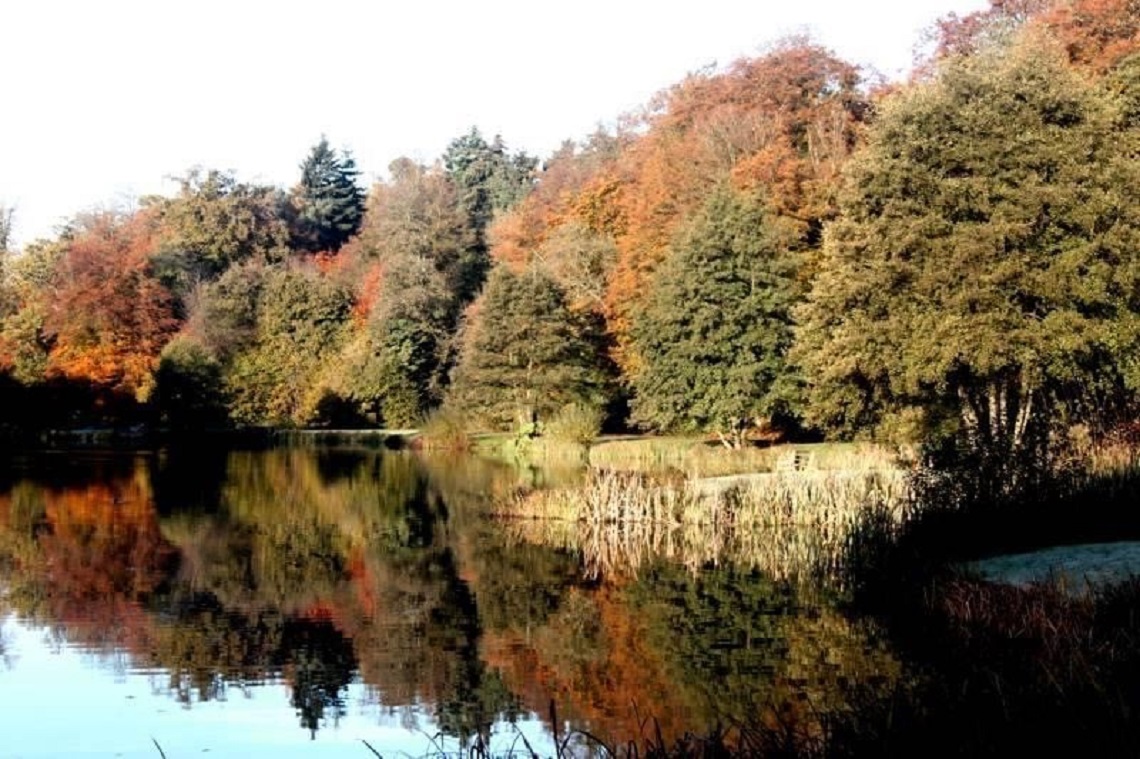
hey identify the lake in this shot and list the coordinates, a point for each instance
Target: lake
(337, 601)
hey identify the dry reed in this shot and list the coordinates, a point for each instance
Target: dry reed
(790, 525)
(697, 458)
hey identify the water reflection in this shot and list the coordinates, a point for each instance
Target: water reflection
(324, 569)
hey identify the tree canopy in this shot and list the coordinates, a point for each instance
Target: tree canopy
(772, 238)
(329, 203)
(526, 354)
(986, 263)
(717, 326)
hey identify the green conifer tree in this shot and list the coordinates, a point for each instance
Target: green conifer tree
(526, 354)
(715, 332)
(328, 203)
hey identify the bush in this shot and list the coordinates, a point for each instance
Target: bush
(189, 388)
(575, 423)
(444, 430)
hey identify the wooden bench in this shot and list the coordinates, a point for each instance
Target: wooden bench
(796, 461)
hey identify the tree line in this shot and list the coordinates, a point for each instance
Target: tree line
(779, 243)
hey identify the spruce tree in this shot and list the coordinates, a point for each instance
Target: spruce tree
(486, 180)
(329, 204)
(713, 336)
(526, 354)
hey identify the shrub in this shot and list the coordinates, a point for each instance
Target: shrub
(444, 430)
(575, 423)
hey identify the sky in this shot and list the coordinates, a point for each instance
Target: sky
(106, 101)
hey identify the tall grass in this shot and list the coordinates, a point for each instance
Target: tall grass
(575, 423)
(790, 525)
(685, 455)
(696, 458)
(443, 430)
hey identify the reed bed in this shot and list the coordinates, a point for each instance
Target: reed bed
(697, 458)
(690, 456)
(790, 526)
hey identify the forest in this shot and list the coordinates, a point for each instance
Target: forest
(778, 246)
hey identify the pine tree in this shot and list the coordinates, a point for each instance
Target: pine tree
(713, 337)
(328, 202)
(526, 354)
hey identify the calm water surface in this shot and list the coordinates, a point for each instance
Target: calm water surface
(302, 601)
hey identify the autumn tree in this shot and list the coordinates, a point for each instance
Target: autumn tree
(1096, 34)
(417, 216)
(301, 318)
(213, 223)
(985, 267)
(189, 391)
(394, 366)
(526, 354)
(716, 328)
(412, 281)
(24, 339)
(781, 124)
(223, 313)
(955, 35)
(576, 185)
(580, 261)
(329, 205)
(109, 316)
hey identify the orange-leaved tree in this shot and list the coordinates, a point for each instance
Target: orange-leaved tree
(781, 125)
(109, 317)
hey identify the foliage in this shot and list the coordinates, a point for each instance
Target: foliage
(223, 314)
(108, 316)
(301, 320)
(781, 124)
(525, 354)
(394, 365)
(189, 391)
(575, 423)
(487, 180)
(985, 266)
(214, 223)
(577, 186)
(579, 260)
(413, 249)
(417, 216)
(717, 325)
(1096, 35)
(23, 344)
(329, 204)
(6, 214)
(651, 270)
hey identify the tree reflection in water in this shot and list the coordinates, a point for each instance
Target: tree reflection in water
(322, 568)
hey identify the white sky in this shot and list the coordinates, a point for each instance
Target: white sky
(105, 99)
